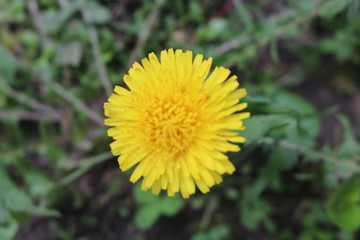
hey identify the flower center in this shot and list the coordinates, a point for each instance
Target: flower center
(170, 124)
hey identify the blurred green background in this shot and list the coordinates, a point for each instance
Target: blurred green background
(297, 175)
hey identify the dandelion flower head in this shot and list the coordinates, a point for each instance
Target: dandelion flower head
(176, 122)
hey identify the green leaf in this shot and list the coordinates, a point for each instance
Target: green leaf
(8, 228)
(3, 99)
(308, 115)
(13, 11)
(330, 10)
(254, 212)
(213, 30)
(308, 123)
(54, 20)
(200, 236)
(151, 207)
(304, 6)
(280, 159)
(295, 102)
(143, 197)
(69, 54)
(7, 63)
(343, 206)
(244, 15)
(196, 12)
(37, 182)
(265, 106)
(146, 216)
(216, 233)
(219, 232)
(170, 205)
(12, 199)
(274, 53)
(350, 146)
(98, 13)
(46, 212)
(286, 115)
(259, 126)
(147, 209)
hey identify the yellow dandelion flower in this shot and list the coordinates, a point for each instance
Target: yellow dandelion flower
(176, 122)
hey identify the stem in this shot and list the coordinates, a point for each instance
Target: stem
(34, 11)
(243, 14)
(60, 90)
(73, 101)
(208, 212)
(32, 116)
(27, 101)
(310, 152)
(96, 50)
(145, 32)
(245, 39)
(86, 165)
(35, 14)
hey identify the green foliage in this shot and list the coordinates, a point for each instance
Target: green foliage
(69, 54)
(312, 221)
(333, 8)
(350, 147)
(344, 205)
(151, 207)
(98, 13)
(14, 201)
(215, 233)
(8, 228)
(7, 64)
(254, 211)
(212, 30)
(16, 204)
